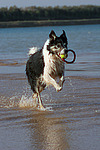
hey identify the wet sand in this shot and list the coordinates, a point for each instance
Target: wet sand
(72, 119)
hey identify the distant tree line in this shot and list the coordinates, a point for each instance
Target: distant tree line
(49, 13)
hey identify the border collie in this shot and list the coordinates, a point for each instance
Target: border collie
(45, 66)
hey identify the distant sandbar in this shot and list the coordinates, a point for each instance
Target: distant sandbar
(13, 24)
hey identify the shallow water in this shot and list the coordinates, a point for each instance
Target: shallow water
(72, 119)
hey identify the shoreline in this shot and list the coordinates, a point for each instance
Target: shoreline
(14, 24)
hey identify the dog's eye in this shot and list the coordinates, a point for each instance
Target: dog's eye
(58, 45)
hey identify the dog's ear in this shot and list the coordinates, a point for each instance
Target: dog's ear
(64, 38)
(52, 35)
(63, 35)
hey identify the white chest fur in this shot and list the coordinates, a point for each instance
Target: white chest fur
(54, 66)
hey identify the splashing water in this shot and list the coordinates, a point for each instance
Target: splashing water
(6, 102)
(27, 102)
(30, 102)
(70, 83)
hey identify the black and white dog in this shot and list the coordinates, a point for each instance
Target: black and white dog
(45, 65)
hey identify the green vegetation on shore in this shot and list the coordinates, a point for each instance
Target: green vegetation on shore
(49, 13)
(49, 16)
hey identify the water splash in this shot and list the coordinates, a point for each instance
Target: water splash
(27, 102)
(6, 102)
(71, 84)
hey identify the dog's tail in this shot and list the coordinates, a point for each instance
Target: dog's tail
(33, 50)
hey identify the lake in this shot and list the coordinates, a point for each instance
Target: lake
(72, 119)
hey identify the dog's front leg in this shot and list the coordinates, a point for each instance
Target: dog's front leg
(49, 80)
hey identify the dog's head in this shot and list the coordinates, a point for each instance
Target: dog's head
(57, 44)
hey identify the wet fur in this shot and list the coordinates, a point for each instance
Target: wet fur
(44, 66)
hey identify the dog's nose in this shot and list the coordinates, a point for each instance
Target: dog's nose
(64, 51)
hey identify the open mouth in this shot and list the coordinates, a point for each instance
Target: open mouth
(63, 54)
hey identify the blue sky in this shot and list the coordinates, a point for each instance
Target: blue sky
(25, 3)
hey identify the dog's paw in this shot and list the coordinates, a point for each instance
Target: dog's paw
(58, 89)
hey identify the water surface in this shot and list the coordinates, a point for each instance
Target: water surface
(73, 117)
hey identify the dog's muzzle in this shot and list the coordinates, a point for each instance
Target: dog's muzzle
(64, 54)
